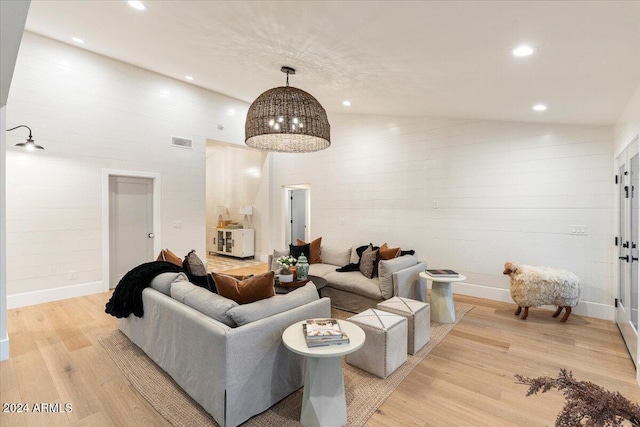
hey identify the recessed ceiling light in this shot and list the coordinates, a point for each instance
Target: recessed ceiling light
(522, 51)
(190, 78)
(78, 40)
(231, 111)
(138, 5)
(346, 103)
(539, 107)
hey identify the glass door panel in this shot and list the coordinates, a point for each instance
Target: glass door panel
(633, 225)
(627, 266)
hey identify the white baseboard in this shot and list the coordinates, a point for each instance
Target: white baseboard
(4, 348)
(54, 294)
(585, 308)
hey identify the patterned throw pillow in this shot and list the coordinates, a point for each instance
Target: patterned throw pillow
(194, 265)
(369, 262)
(314, 250)
(245, 291)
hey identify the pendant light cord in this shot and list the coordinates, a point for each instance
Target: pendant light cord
(25, 126)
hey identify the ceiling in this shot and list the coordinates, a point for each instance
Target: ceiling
(386, 57)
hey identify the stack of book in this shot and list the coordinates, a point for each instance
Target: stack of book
(320, 332)
(443, 273)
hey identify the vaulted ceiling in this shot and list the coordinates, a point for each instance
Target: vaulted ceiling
(444, 58)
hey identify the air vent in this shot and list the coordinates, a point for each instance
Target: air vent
(181, 142)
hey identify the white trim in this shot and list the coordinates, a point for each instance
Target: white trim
(53, 294)
(286, 217)
(585, 308)
(157, 243)
(4, 347)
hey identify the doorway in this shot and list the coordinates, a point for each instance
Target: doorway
(297, 218)
(130, 221)
(628, 180)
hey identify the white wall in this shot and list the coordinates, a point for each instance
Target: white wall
(626, 130)
(4, 336)
(234, 176)
(466, 195)
(91, 112)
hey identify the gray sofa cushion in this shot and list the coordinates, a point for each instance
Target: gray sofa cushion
(247, 313)
(322, 270)
(335, 256)
(208, 303)
(355, 282)
(162, 282)
(388, 267)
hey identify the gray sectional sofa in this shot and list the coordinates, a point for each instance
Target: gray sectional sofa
(227, 357)
(352, 291)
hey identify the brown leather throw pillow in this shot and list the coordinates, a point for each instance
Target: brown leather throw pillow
(168, 256)
(245, 291)
(387, 253)
(314, 250)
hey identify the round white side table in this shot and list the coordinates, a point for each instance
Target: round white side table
(442, 309)
(323, 400)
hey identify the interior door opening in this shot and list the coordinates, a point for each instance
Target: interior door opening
(297, 207)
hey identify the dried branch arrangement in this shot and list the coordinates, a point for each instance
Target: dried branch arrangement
(587, 404)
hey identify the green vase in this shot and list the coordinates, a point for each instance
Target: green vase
(302, 267)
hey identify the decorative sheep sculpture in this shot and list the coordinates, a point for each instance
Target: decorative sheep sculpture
(535, 286)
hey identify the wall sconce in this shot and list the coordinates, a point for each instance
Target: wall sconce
(247, 211)
(30, 145)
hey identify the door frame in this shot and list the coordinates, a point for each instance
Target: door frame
(621, 319)
(286, 215)
(157, 244)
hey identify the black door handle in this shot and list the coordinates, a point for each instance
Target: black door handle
(626, 258)
(633, 258)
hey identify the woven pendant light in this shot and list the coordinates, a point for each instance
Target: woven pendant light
(287, 120)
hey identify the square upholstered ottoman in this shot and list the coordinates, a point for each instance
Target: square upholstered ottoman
(418, 316)
(384, 348)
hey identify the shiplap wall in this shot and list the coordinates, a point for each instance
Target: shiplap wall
(465, 194)
(91, 112)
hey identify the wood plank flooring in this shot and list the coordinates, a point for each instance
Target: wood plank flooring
(467, 380)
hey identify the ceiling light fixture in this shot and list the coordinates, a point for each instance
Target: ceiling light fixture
(346, 103)
(138, 5)
(287, 120)
(30, 145)
(78, 40)
(540, 107)
(190, 78)
(522, 51)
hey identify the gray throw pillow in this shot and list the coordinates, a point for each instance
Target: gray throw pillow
(369, 262)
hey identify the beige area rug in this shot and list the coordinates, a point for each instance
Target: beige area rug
(364, 392)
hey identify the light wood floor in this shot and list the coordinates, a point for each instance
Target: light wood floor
(466, 380)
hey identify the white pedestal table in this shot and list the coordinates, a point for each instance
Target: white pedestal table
(442, 309)
(323, 400)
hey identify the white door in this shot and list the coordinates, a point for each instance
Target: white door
(628, 179)
(130, 225)
(298, 215)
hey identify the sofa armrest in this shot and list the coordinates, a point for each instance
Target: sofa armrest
(188, 345)
(407, 283)
(260, 369)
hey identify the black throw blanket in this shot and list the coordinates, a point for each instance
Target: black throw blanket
(127, 297)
